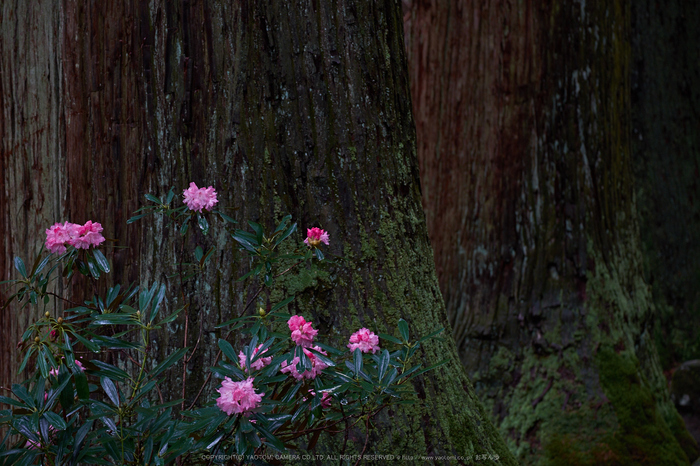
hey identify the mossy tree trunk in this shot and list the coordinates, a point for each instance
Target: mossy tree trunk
(285, 107)
(523, 121)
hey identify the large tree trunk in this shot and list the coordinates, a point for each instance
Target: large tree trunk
(523, 121)
(285, 107)
(666, 151)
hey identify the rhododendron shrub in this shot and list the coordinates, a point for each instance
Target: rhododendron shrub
(283, 381)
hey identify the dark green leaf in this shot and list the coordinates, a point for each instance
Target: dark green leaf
(172, 359)
(41, 361)
(19, 265)
(403, 329)
(281, 304)
(152, 198)
(429, 368)
(203, 224)
(258, 231)
(225, 217)
(383, 363)
(228, 350)
(110, 371)
(88, 344)
(287, 233)
(171, 195)
(156, 302)
(357, 360)
(323, 358)
(10, 401)
(384, 336)
(101, 260)
(136, 217)
(41, 265)
(92, 267)
(81, 385)
(110, 390)
(23, 395)
(55, 420)
(111, 342)
(429, 335)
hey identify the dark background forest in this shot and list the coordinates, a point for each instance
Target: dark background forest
(539, 161)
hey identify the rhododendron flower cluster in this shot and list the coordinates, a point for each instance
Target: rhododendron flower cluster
(302, 333)
(238, 397)
(54, 372)
(71, 234)
(199, 198)
(316, 236)
(317, 365)
(258, 364)
(365, 340)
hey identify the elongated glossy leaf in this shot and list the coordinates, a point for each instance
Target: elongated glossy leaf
(10, 401)
(152, 198)
(384, 336)
(55, 420)
(41, 362)
(323, 358)
(281, 304)
(156, 302)
(41, 265)
(287, 233)
(203, 224)
(101, 260)
(136, 217)
(383, 363)
(172, 359)
(429, 368)
(357, 361)
(225, 217)
(110, 390)
(403, 329)
(23, 395)
(81, 385)
(228, 350)
(110, 371)
(19, 265)
(430, 335)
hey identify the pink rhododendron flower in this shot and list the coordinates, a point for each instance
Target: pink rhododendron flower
(317, 365)
(71, 234)
(258, 364)
(238, 397)
(302, 332)
(54, 372)
(365, 340)
(199, 198)
(89, 235)
(316, 236)
(60, 235)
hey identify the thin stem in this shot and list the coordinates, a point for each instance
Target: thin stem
(184, 362)
(366, 443)
(62, 298)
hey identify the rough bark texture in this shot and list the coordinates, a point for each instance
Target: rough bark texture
(285, 107)
(523, 119)
(666, 151)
